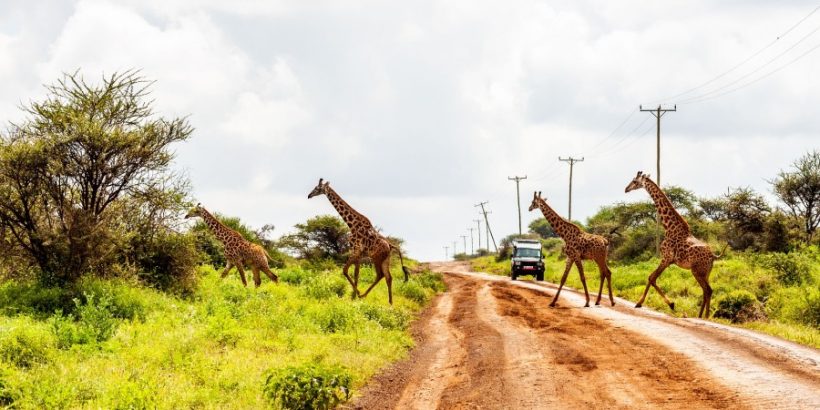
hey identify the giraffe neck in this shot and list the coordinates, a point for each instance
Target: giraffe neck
(221, 231)
(670, 218)
(561, 227)
(351, 217)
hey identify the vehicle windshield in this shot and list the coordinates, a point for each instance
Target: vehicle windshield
(527, 253)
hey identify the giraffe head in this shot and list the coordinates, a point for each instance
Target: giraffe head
(320, 189)
(638, 182)
(536, 200)
(195, 211)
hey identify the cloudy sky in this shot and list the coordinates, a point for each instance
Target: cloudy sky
(417, 110)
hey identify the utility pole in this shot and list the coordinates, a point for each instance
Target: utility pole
(518, 198)
(446, 254)
(472, 244)
(487, 224)
(478, 229)
(658, 113)
(572, 162)
(464, 238)
(455, 251)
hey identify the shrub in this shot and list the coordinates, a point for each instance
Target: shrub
(431, 280)
(739, 306)
(7, 393)
(24, 343)
(124, 301)
(95, 317)
(810, 313)
(294, 275)
(325, 287)
(789, 268)
(385, 316)
(167, 261)
(333, 317)
(307, 387)
(412, 291)
(30, 297)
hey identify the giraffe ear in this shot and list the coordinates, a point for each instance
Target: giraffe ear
(639, 173)
(198, 204)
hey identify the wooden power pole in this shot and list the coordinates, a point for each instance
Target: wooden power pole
(518, 179)
(658, 113)
(572, 162)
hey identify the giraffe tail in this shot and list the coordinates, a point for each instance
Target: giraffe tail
(401, 258)
(722, 252)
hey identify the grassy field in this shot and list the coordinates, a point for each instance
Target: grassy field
(119, 345)
(790, 311)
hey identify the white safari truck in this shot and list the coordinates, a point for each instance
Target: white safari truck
(527, 259)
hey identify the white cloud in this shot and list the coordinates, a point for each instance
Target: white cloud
(418, 110)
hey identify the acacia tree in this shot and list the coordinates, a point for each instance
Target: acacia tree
(89, 164)
(799, 190)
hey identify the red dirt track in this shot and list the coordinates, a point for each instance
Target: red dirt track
(488, 343)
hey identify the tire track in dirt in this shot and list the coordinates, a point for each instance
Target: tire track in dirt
(488, 344)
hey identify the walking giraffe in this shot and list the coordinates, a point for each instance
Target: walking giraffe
(238, 250)
(678, 245)
(364, 240)
(579, 246)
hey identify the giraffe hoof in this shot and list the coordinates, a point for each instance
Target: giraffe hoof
(637, 306)
(597, 303)
(552, 305)
(672, 306)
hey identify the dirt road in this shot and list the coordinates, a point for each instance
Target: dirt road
(489, 343)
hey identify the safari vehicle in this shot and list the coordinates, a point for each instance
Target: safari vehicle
(527, 259)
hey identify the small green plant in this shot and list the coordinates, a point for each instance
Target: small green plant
(24, 343)
(325, 287)
(386, 317)
(6, 391)
(307, 387)
(789, 268)
(334, 316)
(411, 290)
(95, 317)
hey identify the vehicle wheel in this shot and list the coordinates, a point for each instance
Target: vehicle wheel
(540, 276)
(514, 276)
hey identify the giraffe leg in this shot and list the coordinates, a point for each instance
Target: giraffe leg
(602, 271)
(242, 274)
(651, 282)
(379, 276)
(703, 281)
(353, 258)
(270, 274)
(388, 278)
(227, 269)
(257, 281)
(609, 284)
(580, 265)
(563, 279)
(356, 274)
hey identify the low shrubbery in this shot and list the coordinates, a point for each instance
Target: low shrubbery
(308, 387)
(116, 344)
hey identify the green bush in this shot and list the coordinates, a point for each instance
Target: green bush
(431, 280)
(810, 314)
(325, 287)
(124, 301)
(95, 317)
(333, 317)
(308, 387)
(32, 298)
(7, 393)
(739, 306)
(294, 275)
(411, 290)
(790, 268)
(24, 343)
(385, 316)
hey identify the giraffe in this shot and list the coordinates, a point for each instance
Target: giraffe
(579, 246)
(238, 250)
(678, 245)
(364, 240)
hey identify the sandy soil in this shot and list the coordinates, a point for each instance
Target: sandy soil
(489, 343)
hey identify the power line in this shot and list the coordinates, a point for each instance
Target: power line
(464, 237)
(518, 179)
(742, 63)
(571, 162)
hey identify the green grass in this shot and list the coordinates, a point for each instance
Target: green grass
(788, 307)
(125, 346)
